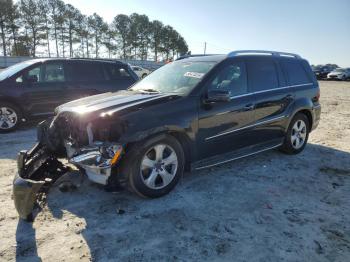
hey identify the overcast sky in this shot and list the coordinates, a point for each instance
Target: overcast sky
(317, 30)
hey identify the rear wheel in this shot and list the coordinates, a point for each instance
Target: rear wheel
(155, 166)
(144, 75)
(10, 117)
(297, 135)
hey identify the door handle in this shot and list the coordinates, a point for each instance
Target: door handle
(249, 107)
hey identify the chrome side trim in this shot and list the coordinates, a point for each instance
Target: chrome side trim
(245, 127)
(239, 96)
(269, 90)
(239, 157)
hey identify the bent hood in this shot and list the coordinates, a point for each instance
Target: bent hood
(109, 103)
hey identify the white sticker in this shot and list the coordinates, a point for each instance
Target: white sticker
(194, 74)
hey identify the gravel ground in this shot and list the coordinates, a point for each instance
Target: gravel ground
(268, 207)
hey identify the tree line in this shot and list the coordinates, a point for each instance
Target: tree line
(53, 28)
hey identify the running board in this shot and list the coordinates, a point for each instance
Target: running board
(234, 155)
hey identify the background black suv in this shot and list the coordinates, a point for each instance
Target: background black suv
(36, 87)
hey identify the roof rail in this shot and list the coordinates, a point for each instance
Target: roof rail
(195, 55)
(273, 53)
(96, 59)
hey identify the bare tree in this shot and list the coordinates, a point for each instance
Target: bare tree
(52, 23)
(32, 18)
(121, 25)
(5, 9)
(98, 28)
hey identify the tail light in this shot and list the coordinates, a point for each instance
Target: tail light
(317, 97)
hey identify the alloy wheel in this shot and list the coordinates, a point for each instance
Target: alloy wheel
(299, 133)
(8, 118)
(159, 166)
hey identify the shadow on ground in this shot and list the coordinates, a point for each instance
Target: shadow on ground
(267, 207)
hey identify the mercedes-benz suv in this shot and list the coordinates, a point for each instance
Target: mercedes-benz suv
(191, 114)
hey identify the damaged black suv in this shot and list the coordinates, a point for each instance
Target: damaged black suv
(194, 113)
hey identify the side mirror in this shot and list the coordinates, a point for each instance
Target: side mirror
(218, 96)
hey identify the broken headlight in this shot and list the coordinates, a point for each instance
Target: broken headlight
(97, 161)
(99, 155)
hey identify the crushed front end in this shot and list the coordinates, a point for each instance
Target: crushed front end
(70, 137)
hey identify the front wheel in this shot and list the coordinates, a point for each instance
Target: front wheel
(297, 135)
(10, 117)
(155, 166)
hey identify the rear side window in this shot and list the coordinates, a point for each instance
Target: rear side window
(295, 72)
(53, 72)
(85, 71)
(262, 75)
(116, 72)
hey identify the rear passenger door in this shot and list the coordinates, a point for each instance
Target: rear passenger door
(272, 97)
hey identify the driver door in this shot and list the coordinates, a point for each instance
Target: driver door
(43, 87)
(222, 125)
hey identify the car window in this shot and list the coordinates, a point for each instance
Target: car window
(262, 75)
(45, 73)
(295, 72)
(116, 72)
(85, 71)
(53, 73)
(232, 77)
(10, 71)
(35, 73)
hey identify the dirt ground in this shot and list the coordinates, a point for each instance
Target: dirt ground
(268, 207)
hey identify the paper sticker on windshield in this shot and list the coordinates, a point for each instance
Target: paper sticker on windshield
(194, 74)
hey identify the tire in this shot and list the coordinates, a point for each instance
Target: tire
(149, 181)
(292, 142)
(143, 76)
(10, 117)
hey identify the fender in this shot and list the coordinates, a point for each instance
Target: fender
(10, 100)
(185, 135)
(299, 105)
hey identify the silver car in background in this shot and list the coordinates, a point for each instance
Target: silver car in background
(339, 74)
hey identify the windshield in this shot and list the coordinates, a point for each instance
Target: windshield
(339, 70)
(10, 71)
(177, 77)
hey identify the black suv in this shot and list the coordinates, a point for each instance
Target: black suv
(36, 87)
(194, 113)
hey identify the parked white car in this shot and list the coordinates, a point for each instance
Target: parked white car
(140, 71)
(339, 74)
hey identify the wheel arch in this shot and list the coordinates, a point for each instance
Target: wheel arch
(181, 136)
(307, 112)
(9, 100)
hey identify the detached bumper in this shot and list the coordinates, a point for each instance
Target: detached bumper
(36, 170)
(25, 194)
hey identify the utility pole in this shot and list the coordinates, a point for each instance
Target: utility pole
(205, 47)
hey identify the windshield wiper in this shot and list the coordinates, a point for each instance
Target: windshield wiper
(146, 90)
